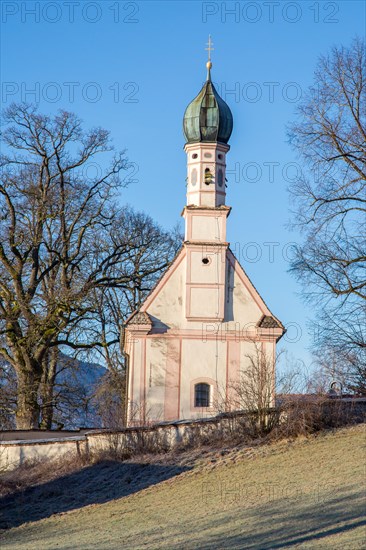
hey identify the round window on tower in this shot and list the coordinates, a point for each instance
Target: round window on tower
(219, 156)
(207, 155)
(206, 261)
(194, 156)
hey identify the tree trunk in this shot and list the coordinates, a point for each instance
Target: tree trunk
(27, 413)
(47, 387)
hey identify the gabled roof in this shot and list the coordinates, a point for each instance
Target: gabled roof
(163, 278)
(268, 320)
(267, 314)
(153, 292)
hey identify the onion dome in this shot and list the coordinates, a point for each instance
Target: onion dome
(208, 118)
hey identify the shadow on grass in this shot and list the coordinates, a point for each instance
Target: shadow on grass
(288, 524)
(95, 484)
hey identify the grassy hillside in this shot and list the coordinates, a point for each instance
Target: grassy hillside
(304, 494)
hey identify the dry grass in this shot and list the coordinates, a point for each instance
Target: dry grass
(32, 473)
(307, 493)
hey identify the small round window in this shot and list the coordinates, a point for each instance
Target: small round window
(206, 261)
(219, 156)
(194, 156)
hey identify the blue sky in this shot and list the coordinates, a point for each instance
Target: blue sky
(132, 68)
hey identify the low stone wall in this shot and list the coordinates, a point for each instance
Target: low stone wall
(158, 437)
(164, 436)
(31, 435)
(15, 453)
(128, 441)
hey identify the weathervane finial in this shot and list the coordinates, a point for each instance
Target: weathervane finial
(209, 50)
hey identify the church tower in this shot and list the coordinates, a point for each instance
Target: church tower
(207, 126)
(188, 345)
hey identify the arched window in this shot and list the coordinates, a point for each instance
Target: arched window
(202, 395)
(208, 176)
(220, 178)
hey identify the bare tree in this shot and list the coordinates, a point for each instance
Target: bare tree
(60, 242)
(255, 391)
(330, 198)
(152, 251)
(344, 367)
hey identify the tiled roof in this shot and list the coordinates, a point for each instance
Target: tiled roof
(140, 318)
(268, 322)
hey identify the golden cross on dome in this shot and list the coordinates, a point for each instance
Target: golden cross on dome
(209, 47)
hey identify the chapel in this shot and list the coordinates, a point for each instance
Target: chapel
(188, 345)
